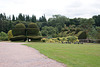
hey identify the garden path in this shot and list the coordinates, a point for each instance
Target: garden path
(17, 55)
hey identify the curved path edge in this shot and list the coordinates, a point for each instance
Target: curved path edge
(17, 55)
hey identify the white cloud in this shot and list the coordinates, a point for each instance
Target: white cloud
(69, 8)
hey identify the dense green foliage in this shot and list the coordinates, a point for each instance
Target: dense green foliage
(3, 36)
(19, 32)
(10, 35)
(32, 25)
(19, 29)
(33, 32)
(73, 55)
(56, 26)
(18, 38)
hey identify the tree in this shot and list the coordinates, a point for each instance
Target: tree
(87, 24)
(97, 20)
(27, 18)
(48, 31)
(13, 18)
(33, 19)
(42, 19)
(20, 17)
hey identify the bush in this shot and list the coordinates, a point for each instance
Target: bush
(3, 36)
(81, 35)
(35, 38)
(50, 41)
(20, 31)
(20, 25)
(18, 38)
(32, 31)
(72, 39)
(43, 39)
(10, 35)
(32, 25)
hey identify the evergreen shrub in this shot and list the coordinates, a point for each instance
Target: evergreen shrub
(10, 35)
(32, 31)
(81, 35)
(18, 38)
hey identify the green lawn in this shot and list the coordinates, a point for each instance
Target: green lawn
(73, 55)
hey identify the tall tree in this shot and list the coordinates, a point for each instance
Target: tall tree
(42, 19)
(97, 20)
(13, 18)
(33, 19)
(27, 18)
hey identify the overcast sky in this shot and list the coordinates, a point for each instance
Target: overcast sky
(69, 8)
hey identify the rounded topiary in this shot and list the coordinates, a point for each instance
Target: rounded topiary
(32, 25)
(20, 25)
(19, 29)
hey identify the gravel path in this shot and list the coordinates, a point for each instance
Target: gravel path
(17, 55)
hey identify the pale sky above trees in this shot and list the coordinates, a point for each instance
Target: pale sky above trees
(69, 8)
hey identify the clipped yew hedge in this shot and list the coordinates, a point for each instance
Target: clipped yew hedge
(35, 38)
(32, 31)
(32, 25)
(19, 38)
(19, 31)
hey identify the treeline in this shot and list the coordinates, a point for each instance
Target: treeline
(53, 27)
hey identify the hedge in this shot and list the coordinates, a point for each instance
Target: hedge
(32, 31)
(19, 31)
(19, 38)
(32, 25)
(34, 38)
(20, 25)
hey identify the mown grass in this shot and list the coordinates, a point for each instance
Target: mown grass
(73, 55)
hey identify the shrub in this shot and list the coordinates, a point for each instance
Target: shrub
(43, 39)
(72, 39)
(19, 30)
(32, 25)
(81, 35)
(32, 31)
(20, 25)
(18, 38)
(50, 41)
(35, 38)
(10, 35)
(3, 36)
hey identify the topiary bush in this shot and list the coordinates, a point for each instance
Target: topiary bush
(18, 38)
(10, 35)
(19, 32)
(19, 29)
(32, 25)
(35, 38)
(20, 25)
(32, 31)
